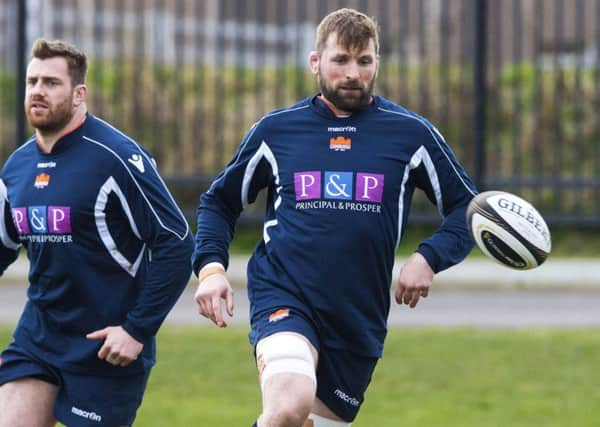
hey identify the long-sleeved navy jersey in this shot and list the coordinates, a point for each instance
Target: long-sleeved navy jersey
(106, 242)
(339, 195)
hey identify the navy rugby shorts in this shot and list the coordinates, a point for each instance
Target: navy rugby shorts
(81, 400)
(342, 376)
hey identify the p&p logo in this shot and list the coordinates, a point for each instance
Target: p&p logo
(364, 187)
(307, 185)
(42, 220)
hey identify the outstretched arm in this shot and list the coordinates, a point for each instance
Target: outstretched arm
(448, 186)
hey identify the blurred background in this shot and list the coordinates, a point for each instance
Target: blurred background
(513, 85)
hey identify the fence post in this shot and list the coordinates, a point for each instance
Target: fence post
(21, 71)
(479, 76)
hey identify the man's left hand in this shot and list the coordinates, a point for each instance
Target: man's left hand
(414, 281)
(119, 348)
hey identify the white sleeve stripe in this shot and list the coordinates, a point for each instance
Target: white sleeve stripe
(181, 237)
(263, 151)
(233, 164)
(249, 136)
(266, 225)
(423, 156)
(4, 236)
(111, 186)
(436, 141)
(154, 166)
(420, 156)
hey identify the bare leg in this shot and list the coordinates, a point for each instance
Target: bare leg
(288, 396)
(27, 402)
(319, 408)
(287, 400)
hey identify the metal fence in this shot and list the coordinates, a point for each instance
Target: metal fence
(514, 85)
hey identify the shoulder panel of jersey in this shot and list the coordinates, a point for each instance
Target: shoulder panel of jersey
(434, 138)
(23, 152)
(118, 142)
(136, 163)
(279, 116)
(255, 141)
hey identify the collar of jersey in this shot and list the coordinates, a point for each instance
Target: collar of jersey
(67, 140)
(319, 107)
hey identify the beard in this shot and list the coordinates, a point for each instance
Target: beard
(53, 119)
(344, 99)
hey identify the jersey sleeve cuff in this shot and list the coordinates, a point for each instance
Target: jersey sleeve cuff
(430, 256)
(140, 334)
(209, 258)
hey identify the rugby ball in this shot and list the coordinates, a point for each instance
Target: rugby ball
(509, 230)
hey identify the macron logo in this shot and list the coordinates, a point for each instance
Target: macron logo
(137, 161)
(350, 400)
(85, 414)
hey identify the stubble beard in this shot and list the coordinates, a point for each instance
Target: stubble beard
(55, 118)
(349, 102)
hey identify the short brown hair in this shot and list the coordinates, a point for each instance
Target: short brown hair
(353, 29)
(76, 59)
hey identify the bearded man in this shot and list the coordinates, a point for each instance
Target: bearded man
(340, 168)
(88, 204)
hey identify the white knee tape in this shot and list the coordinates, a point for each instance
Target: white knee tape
(284, 353)
(319, 421)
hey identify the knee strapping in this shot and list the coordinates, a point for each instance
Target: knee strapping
(284, 353)
(319, 421)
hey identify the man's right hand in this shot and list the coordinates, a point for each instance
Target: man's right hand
(208, 296)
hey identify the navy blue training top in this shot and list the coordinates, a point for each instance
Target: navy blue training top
(339, 195)
(106, 242)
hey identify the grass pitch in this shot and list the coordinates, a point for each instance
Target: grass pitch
(428, 378)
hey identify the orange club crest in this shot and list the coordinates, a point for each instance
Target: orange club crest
(340, 143)
(42, 180)
(279, 314)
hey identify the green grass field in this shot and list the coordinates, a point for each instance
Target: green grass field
(427, 378)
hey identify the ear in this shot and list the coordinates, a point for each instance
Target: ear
(79, 95)
(313, 59)
(376, 66)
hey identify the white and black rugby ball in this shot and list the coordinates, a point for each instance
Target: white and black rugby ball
(509, 230)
